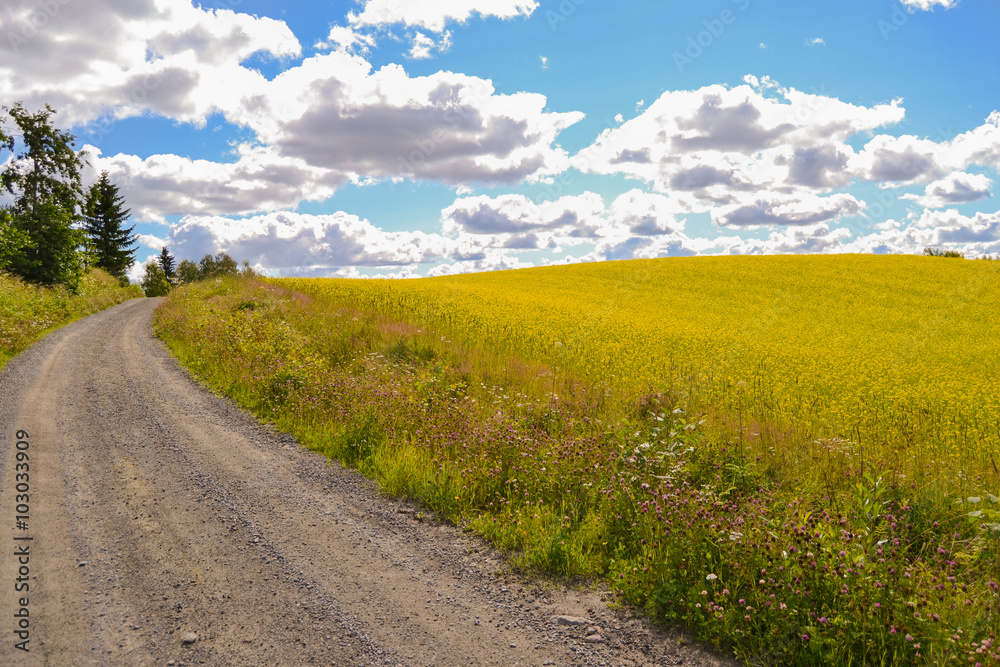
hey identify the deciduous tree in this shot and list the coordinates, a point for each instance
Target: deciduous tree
(45, 181)
(187, 271)
(154, 282)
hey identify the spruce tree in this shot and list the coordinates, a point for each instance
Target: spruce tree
(166, 261)
(45, 181)
(110, 246)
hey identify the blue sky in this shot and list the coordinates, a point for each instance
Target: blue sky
(423, 137)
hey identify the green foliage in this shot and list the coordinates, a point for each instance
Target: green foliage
(216, 267)
(110, 246)
(166, 262)
(28, 311)
(154, 282)
(12, 239)
(935, 252)
(45, 181)
(187, 271)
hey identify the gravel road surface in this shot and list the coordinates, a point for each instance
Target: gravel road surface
(161, 525)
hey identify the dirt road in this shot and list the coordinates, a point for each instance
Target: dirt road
(160, 525)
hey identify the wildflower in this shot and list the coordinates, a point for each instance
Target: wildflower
(711, 577)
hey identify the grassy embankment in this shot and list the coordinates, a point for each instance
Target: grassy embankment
(795, 457)
(28, 312)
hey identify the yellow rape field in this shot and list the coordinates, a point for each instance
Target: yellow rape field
(892, 360)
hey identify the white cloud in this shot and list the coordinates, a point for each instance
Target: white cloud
(905, 159)
(816, 41)
(515, 221)
(334, 113)
(956, 188)
(298, 244)
(718, 143)
(345, 39)
(637, 224)
(928, 5)
(766, 210)
(423, 47)
(258, 180)
(150, 241)
(813, 239)
(165, 56)
(646, 214)
(976, 236)
(433, 15)
(978, 146)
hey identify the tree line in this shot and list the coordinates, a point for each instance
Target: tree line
(56, 229)
(164, 273)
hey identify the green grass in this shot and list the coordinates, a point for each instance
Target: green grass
(28, 312)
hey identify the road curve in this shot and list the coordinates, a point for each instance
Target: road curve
(166, 526)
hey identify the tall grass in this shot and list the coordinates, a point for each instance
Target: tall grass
(822, 557)
(28, 312)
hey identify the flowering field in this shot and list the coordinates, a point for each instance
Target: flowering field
(899, 355)
(794, 457)
(27, 311)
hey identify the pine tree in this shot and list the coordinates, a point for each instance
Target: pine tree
(45, 181)
(109, 245)
(166, 261)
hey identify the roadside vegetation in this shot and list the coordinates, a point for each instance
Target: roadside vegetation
(64, 249)
(793, 457)
(28, 312)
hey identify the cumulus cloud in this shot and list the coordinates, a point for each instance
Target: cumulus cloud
(976, 236)
(125, 57)
(334, 112)
(717, 149)
(956, 188)
(928, 5)
(515, 214)
(433, 15)
(717, 142)
(904, 159)
(767, 210)
(258, 180)
(646, 214)
(978, 146)
(812, 239)
(298, 244)
(636, 224)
